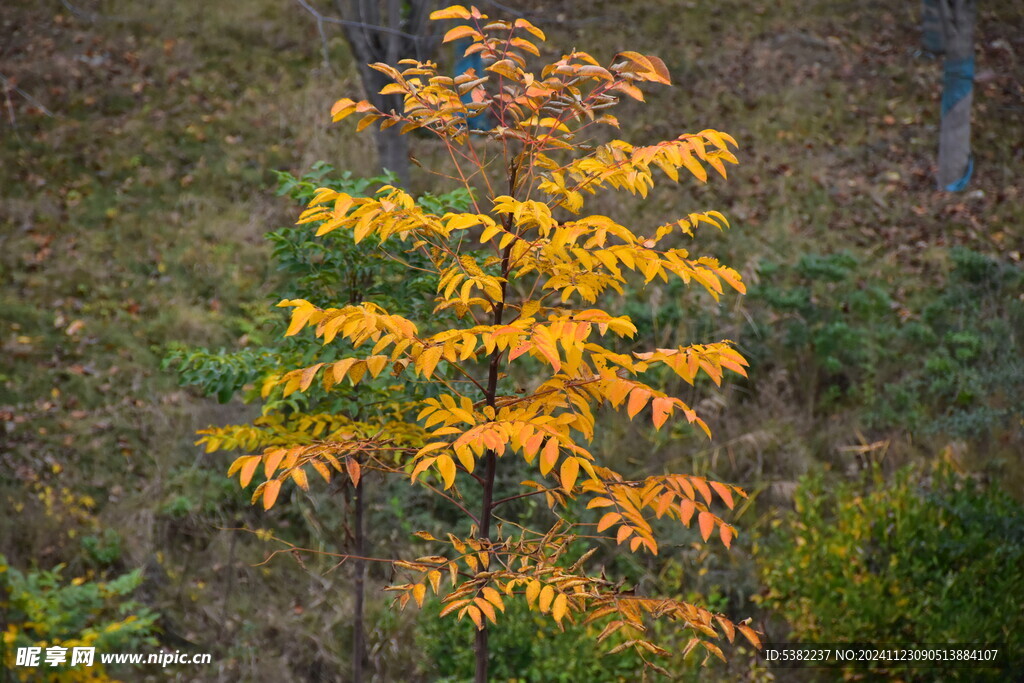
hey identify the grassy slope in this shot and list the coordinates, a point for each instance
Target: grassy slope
(134, 217)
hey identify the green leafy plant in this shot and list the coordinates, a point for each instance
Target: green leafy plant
(43, 610)
(522, 303)
(928, 556)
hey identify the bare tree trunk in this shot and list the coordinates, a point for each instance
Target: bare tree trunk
(955, 161)
(387, 31)
(359, 590)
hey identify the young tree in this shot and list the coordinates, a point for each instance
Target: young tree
(525, 272)
(331, 269)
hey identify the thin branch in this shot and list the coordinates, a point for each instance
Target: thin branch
(521, 495)
(321, 19)
(324, 52)
(36, 103)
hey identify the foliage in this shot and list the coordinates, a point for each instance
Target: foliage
(527, 647)
(334, 269)
(849, 335)
(945, 553)
(510, 320)
(43, 611)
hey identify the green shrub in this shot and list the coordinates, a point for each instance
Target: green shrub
(927, 557)
(944, 360)
(41, 610)
(525, 646)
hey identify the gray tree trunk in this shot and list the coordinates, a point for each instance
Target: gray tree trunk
(955, 161)
(387, 31)
(931, 27)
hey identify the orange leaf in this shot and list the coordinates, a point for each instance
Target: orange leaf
(638, 398)
(701, 485)
(460, 32)
(474, 614)
(750, 634)
(725, 531)
(706, 521)
(662, 408)
(686, 509)
(549, 456)
(248, 469)
(270, 493)
(723, 491)
(353, 469)
(607, 520)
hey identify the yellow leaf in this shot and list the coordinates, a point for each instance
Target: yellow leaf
(461, 32)
(547, 594)
(494, 597)
(505, 68)
(299, 317)
(532, 591)
(568, 472)
(446, 466)
(451, 12)
(559, 608)
(375, 364)
(428, 361)
(307, 376)
(418, 592)
(474, 614)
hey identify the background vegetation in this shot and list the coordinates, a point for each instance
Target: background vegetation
(884, 326)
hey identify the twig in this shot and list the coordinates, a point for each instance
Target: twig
(38, 105)
(324, 53)
(356, 24)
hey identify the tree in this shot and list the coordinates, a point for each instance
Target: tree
(332, 269)
(957, 19)
(383, 31)
(526, 304)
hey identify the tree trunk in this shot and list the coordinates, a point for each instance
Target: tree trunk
(387, 31)
(955, 161)
(482, 651)
(931, 27)
(358, 590)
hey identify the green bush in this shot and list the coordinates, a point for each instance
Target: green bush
(927, 557)
(41, 610)
(331, 270)
(941, 360)
(524, 646)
